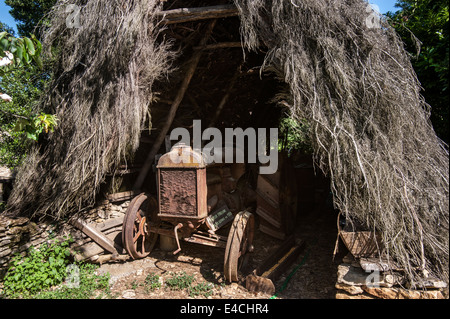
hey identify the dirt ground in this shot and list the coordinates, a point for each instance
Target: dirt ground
(314, 279)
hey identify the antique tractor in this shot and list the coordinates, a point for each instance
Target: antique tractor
(194, 200)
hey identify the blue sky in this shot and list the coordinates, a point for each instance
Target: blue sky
(5, 17)
(385, 5)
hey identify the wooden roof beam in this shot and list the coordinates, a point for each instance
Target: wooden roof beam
(201, 13)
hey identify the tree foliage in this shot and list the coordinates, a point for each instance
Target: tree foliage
(25, 86)
(424, 28)
(7, 28)
(22, 81)
(24, 50)
(29, 13)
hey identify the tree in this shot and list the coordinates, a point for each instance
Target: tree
(4, 27)
(22, 83)
(29, 13)
(427, 21)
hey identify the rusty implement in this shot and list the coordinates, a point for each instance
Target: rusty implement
(183, 210)
(263, 278)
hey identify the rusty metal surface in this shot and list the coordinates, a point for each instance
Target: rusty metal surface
(178, 192)
(182, 184)
(181, 156)
(207, 240)
(136, 236)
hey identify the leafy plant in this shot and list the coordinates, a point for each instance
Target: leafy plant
(41, 269)
(23, 50)
(201, 289)
(43, 272)
(427, 22)
(37, 124)
(29, 13)
(91, 285)
(294, 135)
(180, 281)
(24, 82)
(152, 282)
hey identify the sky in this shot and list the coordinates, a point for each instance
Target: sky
(5, 17)
(385, 5)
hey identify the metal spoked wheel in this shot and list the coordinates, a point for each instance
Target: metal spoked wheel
(137, 239)
(239, 243)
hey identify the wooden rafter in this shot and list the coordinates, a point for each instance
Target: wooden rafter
(221, 45)
(201, 13)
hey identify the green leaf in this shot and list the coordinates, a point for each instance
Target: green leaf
(4, 44)
(26, 57)
(32, 136)
(13, 49)
(3, 34)
(37, 43)
(19, 54)
(30, 46)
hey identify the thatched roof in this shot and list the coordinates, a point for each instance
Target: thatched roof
(352, 80)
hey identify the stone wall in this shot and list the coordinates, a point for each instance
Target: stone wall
(17, 235)
(363, 279)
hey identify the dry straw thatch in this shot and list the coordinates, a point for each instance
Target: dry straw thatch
(352, 81)
(355, 84)
(101, 92)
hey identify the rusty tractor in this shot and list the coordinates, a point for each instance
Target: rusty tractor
(194, 200)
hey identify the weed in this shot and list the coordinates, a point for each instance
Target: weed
(152, 282)
(180, 281)
(42, 272)
(90, 286)
(202, 289)
(41, 269)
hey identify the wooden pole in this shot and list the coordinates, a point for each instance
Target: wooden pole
(192, 65)
(95, 235)
(221, 45)
(200, 13)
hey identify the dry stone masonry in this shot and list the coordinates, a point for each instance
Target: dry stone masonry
(17, 235)
(366, 279)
